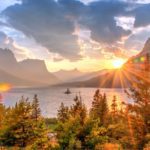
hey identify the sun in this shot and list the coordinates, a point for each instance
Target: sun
(118, 63)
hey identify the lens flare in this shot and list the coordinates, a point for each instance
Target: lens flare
(118, 63)
(4, 87)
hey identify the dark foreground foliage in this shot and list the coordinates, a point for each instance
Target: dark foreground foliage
(106, 126)
(23, 126)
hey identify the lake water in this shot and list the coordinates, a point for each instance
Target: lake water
(51, 98)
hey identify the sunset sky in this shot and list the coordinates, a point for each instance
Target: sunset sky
(87, 34)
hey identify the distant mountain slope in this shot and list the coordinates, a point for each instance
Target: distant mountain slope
(28, 72)
(90, 75)
(70, 75)
(36, 70)
(5, 77)
(111, 79)
(146, 48)
(8, 62)
(76, 75)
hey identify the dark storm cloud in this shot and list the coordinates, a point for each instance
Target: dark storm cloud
(48, 23)
(73, 8)
(142, 17)
(52, 23)
(100, 20)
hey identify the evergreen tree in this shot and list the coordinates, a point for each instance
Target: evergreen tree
(2, 114)
(63, 113)
(36, 112)
(18, 125)
(140, 109)
(2, 117)
(79, 109)
(104, 109)
(99, 108)
(96, 103)
(93, 134)
(20, 128)
(114, 106)
(70, 126)
(114, 110)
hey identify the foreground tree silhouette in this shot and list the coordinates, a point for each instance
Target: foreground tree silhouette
(21, 129)
(18, 125)
(2, 114)
(114, 106)
(105, 127)
(79, 109)
(63, 113)
(140, 111)
(71, 122)
(99, 108)
(36, 112)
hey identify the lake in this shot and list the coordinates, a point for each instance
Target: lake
(51, 98)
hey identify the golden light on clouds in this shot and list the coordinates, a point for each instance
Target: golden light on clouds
(85, 65)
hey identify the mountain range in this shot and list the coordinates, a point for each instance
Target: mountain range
(68, 75)
(75, 75)
(33, 72)
(112, 79)
(29, 72)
